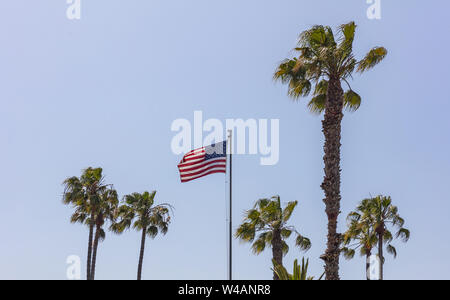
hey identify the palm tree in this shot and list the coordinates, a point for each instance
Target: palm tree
(269, 220)
(300, 272)
(385, 214)
(374, 215)
(327, 61)
(107, 211)
(140, 212)
(83, 193)
(360, 235)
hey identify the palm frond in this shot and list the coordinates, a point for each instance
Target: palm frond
(391, 249)
(352, 101)
(303, 243)
(317, 104)
(374, 57)
(348, 253)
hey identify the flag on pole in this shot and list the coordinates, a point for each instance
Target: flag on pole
(209, 160)
(204, 161)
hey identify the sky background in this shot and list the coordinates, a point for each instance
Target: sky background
(104, 90)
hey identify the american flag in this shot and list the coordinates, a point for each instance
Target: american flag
(204, 161)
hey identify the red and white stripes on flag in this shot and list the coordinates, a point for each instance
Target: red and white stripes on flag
(204, 161)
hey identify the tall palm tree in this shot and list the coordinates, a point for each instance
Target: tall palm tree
(140, 212)
(376, 215)
(360, 235)
(83, 193)
(107, 211)
(269, 221)
(326, 61)
(385, 215)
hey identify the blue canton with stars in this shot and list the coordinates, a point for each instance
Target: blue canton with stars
(216, 150)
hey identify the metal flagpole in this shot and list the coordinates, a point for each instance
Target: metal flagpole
(230, 217)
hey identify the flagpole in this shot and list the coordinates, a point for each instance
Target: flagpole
(230, 217)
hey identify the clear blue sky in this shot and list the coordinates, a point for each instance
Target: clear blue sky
(103, 91)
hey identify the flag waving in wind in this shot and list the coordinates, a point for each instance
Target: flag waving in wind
(204, 161)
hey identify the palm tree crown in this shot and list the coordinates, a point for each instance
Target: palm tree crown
(323, 57)
(385, 215)
(300, 272)
(267, 225)
(140, 213)
(360, 233)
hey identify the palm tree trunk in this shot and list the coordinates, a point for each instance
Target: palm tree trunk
(368, 255)
(332, 180)
(94, 254)
(141, 255)
(277, 250)
(91, 237)
(380, 254)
